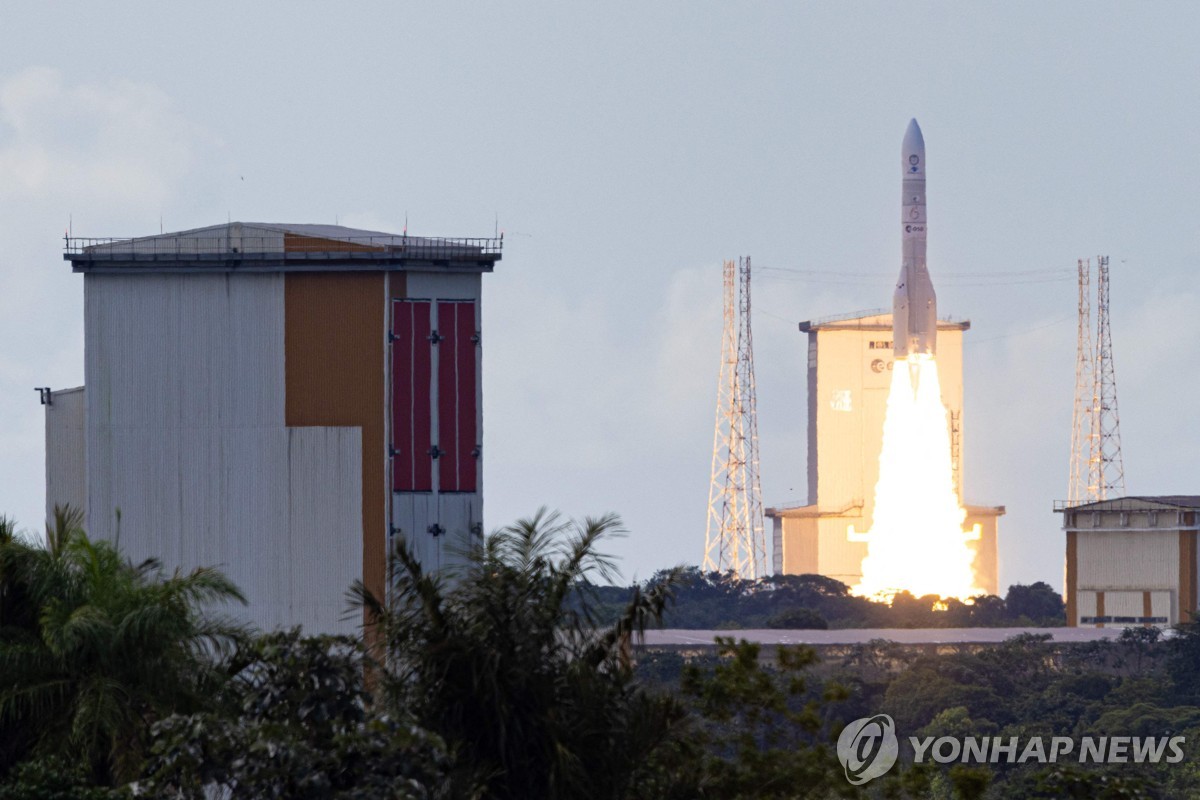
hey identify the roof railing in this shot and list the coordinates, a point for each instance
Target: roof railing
(289, 245)
(1128, 503)
(849, 315)
(870, 312)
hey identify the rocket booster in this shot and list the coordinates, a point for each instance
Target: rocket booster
(914, 305)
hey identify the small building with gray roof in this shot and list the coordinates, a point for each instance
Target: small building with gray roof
(1131, 560)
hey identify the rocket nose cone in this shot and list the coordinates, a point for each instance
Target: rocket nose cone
(912, 152)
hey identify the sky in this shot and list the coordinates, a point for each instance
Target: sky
(626, 149)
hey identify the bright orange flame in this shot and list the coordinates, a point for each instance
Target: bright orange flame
(916, 542)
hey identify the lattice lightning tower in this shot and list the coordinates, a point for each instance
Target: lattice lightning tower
(1107, 467)
(734, 540)
(1085, 388)
(1097, 467)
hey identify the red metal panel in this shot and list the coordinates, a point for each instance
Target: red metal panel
(412, 467)
(466, 349)
(447, 399)
(457, 427)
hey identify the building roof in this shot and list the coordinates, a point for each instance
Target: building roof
(1180, 500)
(847, 636)
(854, 510)
(277, 247)
(1133, 502)
(876, 319)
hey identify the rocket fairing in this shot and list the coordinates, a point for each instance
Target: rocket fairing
(914, 305)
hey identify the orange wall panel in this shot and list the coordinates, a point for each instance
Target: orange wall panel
(335, 341)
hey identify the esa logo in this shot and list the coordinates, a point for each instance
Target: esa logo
(868, 748)
(914, 228)
(879, 365)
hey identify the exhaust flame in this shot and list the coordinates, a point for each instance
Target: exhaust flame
(916, 542)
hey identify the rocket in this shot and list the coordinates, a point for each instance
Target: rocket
(914, 305)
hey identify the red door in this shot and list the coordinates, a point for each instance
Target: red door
(412, 402)
(458, 438)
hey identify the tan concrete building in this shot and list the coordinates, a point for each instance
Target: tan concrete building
(849, 374)
(1131, 561)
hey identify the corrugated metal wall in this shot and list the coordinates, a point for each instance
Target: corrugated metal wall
(66, 449)
(325, 521)
(1134, 561)
(1114, 561)
(187, 443)
(1156, 605)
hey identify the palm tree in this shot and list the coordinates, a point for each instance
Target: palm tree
(505, 661)
(93, 648)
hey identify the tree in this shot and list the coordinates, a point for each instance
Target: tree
(1137, 646)
(918, 695)
(1037, 602)
(1059, 781)
(1183, 661)
(797, 619)
(93, 649)
(988, 611)
(531, 696)
(764, 732)
(295, 721)
(957, 722)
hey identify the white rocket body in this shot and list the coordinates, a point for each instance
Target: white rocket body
(914, 305)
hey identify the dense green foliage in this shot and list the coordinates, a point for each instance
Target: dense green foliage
(93, 649)
(1135, 685)
(294, 721)
(765, 732)
(712, 601)
(1029, 686)
(532, 698)
(521, 675)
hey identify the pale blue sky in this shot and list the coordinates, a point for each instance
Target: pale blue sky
(627, 149)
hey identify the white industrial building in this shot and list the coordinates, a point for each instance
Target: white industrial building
(1131, 561)
(850, 361)
(278, 401)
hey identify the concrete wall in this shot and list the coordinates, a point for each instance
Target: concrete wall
(853, 366)
(986, 563)
(850, 369)
(799, 535)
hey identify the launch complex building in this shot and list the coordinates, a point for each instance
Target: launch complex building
(850, 359)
